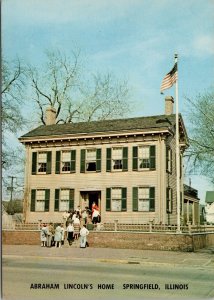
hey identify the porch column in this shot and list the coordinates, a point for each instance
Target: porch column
(193, 213)
(187, 211)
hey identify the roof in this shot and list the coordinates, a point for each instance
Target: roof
(209, 197)
(189, 191)
(152, 122)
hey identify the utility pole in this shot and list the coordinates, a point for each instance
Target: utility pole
(11, 188)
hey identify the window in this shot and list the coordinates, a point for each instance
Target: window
(64, 199)
(169, 200)
(168, 159)
(40, 200)
(144, 158)
(41, 162)
(143, 199)
(117, 159)
(90, 160)
(65, 161)
(116, 199)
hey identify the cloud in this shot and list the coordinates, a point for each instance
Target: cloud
(203, 45)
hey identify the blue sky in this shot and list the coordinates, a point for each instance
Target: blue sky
(134, 39)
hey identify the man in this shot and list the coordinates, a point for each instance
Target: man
(83, 234)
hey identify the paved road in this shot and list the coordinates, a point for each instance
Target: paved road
(78, 278)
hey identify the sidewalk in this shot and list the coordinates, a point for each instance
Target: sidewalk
(201, 259)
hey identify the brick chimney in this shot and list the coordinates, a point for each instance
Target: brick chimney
(50, 116)
(169, 101)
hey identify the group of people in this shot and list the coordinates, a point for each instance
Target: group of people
(54, 237)
(73, 226)
(85, 215)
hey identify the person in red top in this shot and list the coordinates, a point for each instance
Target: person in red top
(94, 206)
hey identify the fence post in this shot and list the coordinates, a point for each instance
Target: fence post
(189, 227)
(150, 226)
(39, 224)
(115, 225)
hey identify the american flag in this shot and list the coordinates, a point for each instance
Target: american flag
(169, 79)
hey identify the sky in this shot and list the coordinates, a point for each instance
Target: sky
(134, 39)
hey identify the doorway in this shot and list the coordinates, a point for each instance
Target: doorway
(93, 197)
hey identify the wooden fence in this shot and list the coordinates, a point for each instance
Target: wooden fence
(116, 226)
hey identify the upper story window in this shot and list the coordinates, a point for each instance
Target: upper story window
(65, 161)
(117, 159)
(143, 199)
(90, 160)
(144, 158)
(41, 162)
(40, 200)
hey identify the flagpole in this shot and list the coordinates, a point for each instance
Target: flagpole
(177, 152)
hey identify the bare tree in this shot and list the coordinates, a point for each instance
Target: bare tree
(13, 83)
(201, 116)
(60, 84)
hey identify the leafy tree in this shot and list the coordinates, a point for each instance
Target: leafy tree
(61, 84)
(201, 119)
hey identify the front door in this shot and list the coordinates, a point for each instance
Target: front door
(94, 197)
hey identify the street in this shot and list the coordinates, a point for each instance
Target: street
(58, 278)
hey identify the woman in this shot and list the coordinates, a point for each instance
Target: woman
(76, 228)
(43, 235)
(58, 236)
(70, 233)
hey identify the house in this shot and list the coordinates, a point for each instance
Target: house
(191, 209)
(209, 207)
(126, 166)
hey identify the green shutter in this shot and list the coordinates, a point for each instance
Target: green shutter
(82, 161)
(152, 157)
(47, 199)
(58, 158)
(135, 158)
(125, 159)
(49, 155)
(71, 199)
(108, 199)
(33, 200)
(167, 158)
(108, 160)
(34, 162)
(152, 199)
(56, 203)
(124, 197)
(135, 199)
(98, 160)
(167, 200)
(73, 161)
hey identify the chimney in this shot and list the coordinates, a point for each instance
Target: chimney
(50, 116)
(169, 101)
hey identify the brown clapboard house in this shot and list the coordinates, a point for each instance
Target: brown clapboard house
(126, 166)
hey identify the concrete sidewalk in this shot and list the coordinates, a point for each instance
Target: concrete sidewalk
(202, 259)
